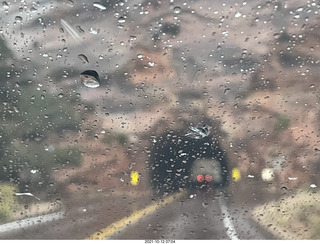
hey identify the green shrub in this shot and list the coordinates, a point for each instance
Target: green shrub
(7, 200)
(4, 50)
(282, 123)
(68, 156)
(110, 138)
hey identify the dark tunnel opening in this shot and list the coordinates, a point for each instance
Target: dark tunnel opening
(172, 160)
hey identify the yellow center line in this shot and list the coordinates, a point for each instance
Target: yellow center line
(109, 231)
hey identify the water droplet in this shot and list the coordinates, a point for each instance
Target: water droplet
(276, 35)
(292, 178)
(238, 14)
(18, 19)
(60, 95)
(99, 6)
(83, 58)
(226, 91)
(177, 10)
(313, 185)
(121, 20)
(16, 109)
(5, 5)
(90, 78)
(204, 204)
(93, 31)
(70, 3)
(284, 188)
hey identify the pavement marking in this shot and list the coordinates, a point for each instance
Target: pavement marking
(231, 231)
(30, 222)
(112, 229)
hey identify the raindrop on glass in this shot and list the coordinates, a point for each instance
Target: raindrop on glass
(121, 20)
(5, 5)
(299, 9)
(204, 204)
(237, 14)
(90, 78)
(83, 58)
(177, 10)
(18, 19)
(284, 188)
(151, 64)
(276, 35)
(99, 6)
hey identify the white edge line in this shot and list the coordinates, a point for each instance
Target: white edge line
(231, 231)
(30, 222)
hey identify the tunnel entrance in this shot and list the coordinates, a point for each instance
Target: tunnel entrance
(173, 157)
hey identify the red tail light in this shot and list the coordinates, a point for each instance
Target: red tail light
(208, 178)
(200, 178)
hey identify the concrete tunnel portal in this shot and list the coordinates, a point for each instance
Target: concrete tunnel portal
(173, 156)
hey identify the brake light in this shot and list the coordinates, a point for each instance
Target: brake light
(208, 178)
(200, 178)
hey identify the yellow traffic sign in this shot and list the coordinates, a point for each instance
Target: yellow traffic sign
(134, 178)
(236, 174)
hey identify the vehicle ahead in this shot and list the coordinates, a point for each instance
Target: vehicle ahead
(206, 172)
(179, 160)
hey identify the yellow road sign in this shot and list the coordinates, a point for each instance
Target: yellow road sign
(236, 174)
(134, 178)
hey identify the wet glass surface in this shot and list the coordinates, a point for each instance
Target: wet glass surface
(190, 119)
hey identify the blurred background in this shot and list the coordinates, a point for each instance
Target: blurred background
(248, 69)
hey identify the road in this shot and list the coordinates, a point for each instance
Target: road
(185, 216)
(203, 215)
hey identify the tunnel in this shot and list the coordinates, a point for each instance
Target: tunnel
(173, 156)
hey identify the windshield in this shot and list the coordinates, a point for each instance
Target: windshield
(159, 120)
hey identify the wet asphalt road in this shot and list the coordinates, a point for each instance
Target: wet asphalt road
(206, 215)
(198, 215)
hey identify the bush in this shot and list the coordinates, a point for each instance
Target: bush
(68, 156)
(110, 138)
(282, 123)
(7, 200)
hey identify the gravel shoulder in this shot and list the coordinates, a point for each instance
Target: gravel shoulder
(296, 216)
